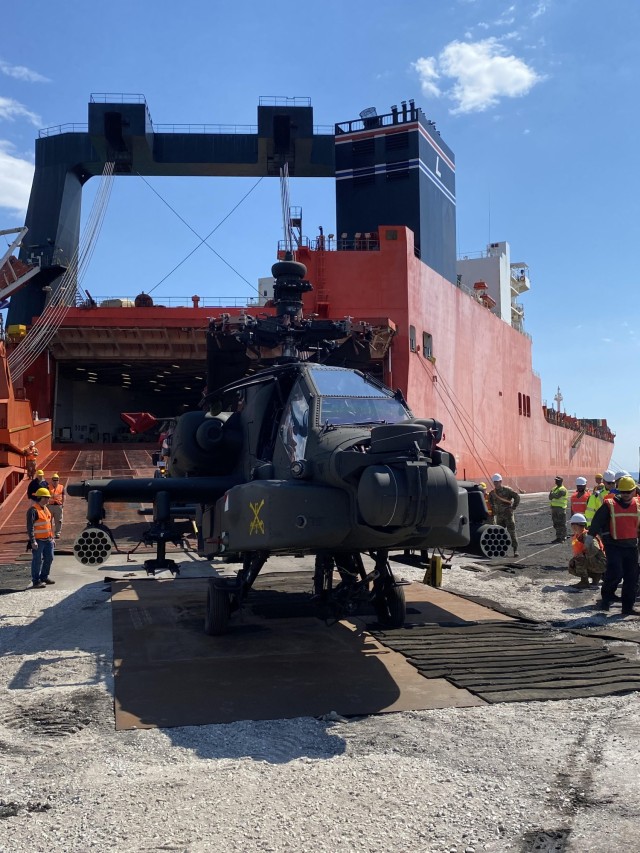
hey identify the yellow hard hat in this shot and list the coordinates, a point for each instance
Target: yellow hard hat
(40, 472)
(55, 476)
(482, 485)
(599, 475)
(42, 493)
(626, 484)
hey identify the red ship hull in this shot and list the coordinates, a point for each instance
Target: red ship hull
(478, 368)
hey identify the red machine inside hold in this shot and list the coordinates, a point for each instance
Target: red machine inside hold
(138, 421)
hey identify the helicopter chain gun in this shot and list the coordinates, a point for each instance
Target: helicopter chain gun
(297, 454)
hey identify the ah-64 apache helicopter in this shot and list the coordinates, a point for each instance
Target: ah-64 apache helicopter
(299, 457)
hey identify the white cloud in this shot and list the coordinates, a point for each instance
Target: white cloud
(507, 17)
(482, 72)
(10, 110)
(541, 8)
(428, 73)
(16, 177)
(21, 72)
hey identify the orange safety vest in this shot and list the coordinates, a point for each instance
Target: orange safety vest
(579, 502)
(57, 495)
(624, 519)
(30, 452)
(42, 526)
(578, 546)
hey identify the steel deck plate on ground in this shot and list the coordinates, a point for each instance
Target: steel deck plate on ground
(168, 672)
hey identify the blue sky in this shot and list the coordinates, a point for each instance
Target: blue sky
(537, 99)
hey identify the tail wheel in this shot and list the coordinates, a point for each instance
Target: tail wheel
(216, 617)
(391, 606)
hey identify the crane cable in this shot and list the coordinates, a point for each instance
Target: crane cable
(462, 417)
(49, 321)
(203, 240)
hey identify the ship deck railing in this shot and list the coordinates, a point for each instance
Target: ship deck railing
(176, 302)
(578, 425)
(228, 129)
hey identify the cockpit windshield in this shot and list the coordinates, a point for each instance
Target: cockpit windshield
(347, 397)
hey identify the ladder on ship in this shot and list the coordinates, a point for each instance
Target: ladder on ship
(578, 439)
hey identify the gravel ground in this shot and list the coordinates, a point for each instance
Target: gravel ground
(522, 777)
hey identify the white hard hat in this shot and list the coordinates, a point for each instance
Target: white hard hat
(581, 481)
(31, 443)
(497, 478)
(609, 476)
(577, 518)
(620, 474)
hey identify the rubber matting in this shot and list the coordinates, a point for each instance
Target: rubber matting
(513, 661)
(277, 661)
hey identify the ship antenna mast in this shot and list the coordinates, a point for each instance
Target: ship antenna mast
(558, 398)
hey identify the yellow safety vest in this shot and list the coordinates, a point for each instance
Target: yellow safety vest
(593, 504)
(559, 497)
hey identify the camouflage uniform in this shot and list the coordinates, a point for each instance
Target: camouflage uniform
(588, 567)
(502, 503)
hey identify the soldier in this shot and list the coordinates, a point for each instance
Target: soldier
(558, 500)
(503, 501)
(588, 565)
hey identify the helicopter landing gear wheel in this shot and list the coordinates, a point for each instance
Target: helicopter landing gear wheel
(391, 607)
(218, 608)
(388, 596)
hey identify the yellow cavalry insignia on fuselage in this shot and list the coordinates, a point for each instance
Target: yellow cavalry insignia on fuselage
(257, 524)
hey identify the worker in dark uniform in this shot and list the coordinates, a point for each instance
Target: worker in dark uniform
(617, 523)
(38, 482)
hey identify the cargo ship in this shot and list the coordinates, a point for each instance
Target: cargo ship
(447, 331)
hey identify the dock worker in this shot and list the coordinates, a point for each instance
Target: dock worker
(40, 532)
(503, 502)
(619, 475)
(558, 501)
(580, 497)
(599, 483)
(588, 565)
(594, 503)
(617, 523)
(38, 482)
(609, 479)
(31, 454)
(56, 504)
(485, 494)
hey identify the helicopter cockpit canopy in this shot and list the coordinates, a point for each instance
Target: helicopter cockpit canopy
(349, 397)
